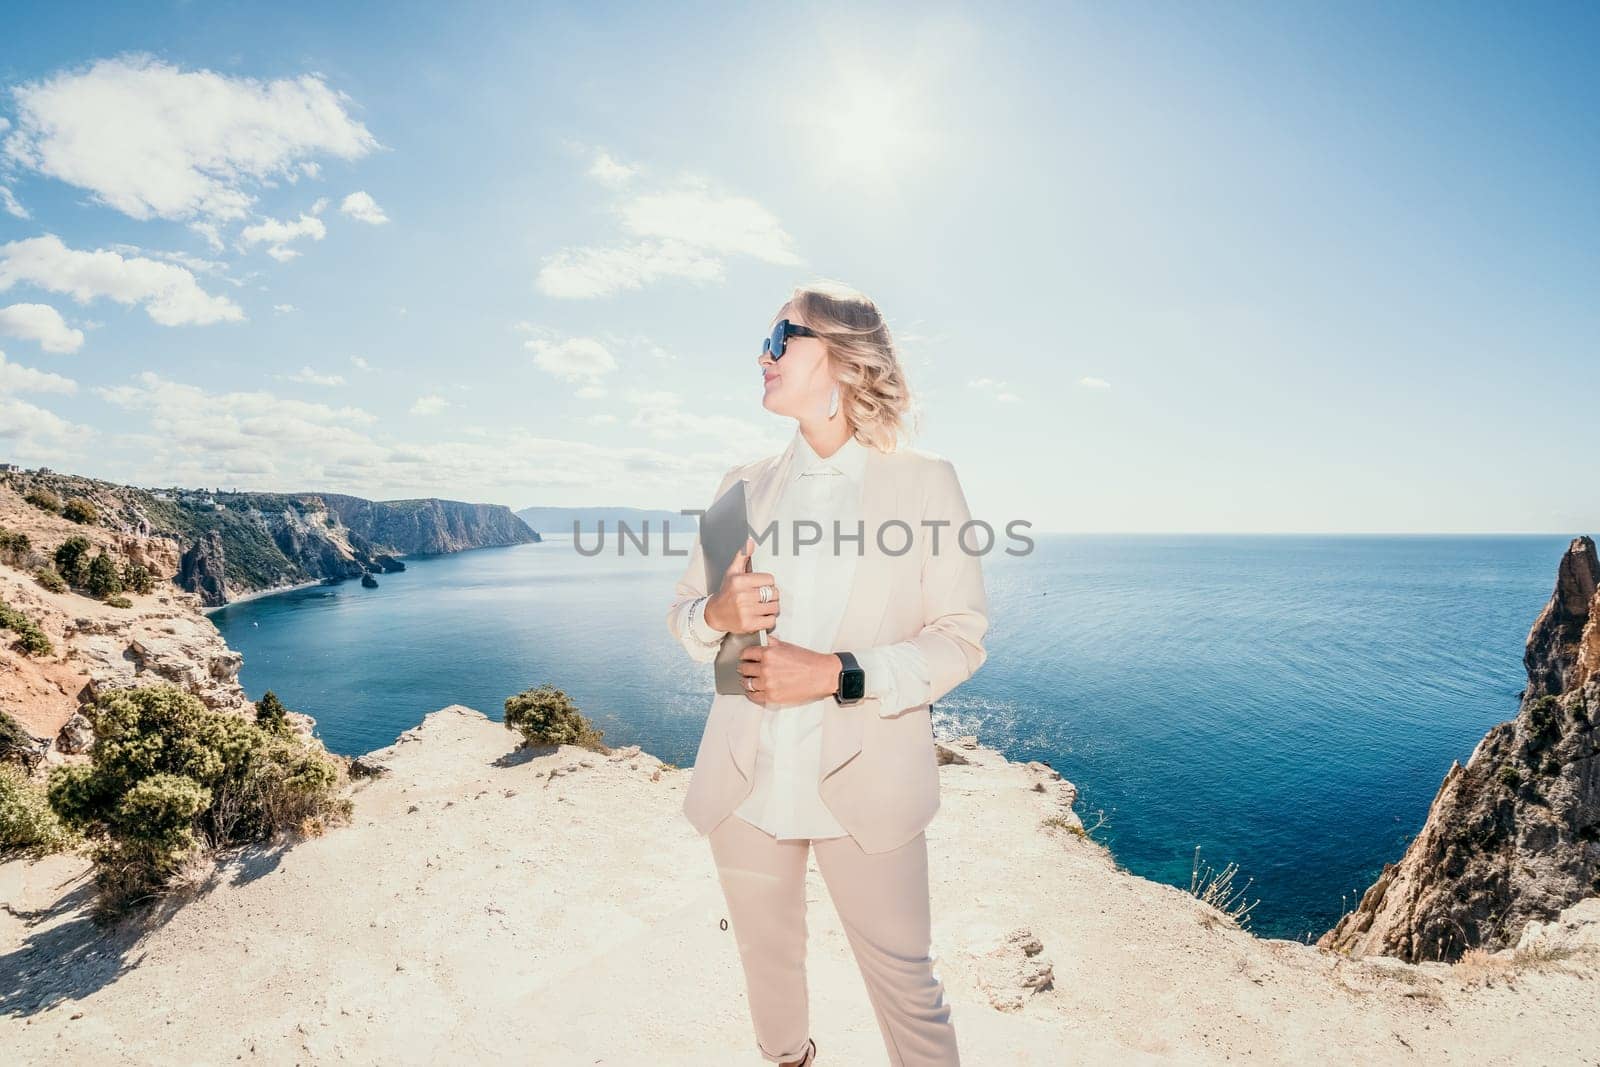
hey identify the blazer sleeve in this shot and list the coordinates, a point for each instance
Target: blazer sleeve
(691, 587)
(955, 608)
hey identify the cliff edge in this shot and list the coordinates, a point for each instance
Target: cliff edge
(1513, 837)
(553, 906)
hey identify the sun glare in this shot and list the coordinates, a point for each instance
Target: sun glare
(867, 127)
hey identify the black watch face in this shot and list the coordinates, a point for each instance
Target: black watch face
(853, 685)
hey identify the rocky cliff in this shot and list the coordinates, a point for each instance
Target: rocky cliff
(232, 544)
(1513, 837)
(161, 637)
(428, 526)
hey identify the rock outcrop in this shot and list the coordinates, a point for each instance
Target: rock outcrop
(1513, 837)
(201, 570)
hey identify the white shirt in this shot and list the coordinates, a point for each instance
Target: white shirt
(813, 583)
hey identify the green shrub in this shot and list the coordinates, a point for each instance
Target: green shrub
(15, 548)
(1510, 777)
(44, 500)
(31, 640)
(103, 580)
(170, 779)
(26, 818)
(81, 510)
(69, 559)
(547, 716)
(1544, 723)
(271, 715)
(137, 577)
(119, 601)
(47, 577)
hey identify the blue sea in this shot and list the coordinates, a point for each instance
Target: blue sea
(1288, 704)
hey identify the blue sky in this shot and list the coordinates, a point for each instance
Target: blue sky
(1244, 267)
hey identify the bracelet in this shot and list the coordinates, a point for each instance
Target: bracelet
(697, 605)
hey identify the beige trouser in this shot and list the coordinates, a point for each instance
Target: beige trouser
(882, 900)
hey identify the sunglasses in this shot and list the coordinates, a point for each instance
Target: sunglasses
(782, 330)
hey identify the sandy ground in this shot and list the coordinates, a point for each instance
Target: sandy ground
(479, 909)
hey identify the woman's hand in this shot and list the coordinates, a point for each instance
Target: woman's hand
(783, 673)
(737, 605)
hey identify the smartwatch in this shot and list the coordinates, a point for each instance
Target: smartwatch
(852, 680)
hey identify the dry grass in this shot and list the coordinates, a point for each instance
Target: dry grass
(1479, 966)
(1216, 889)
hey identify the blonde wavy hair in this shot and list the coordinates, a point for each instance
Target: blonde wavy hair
(873, 394)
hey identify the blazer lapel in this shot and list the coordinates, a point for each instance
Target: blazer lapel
(866, 607)
(761, 497)
(863, 614)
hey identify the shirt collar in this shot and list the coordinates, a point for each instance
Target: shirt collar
(849, 460)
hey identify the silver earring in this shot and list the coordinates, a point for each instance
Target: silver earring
(833, 402)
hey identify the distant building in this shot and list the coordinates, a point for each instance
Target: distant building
(11, 468)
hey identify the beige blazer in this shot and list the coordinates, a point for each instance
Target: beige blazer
(879, 774)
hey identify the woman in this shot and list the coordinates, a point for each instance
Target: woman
(873, 611)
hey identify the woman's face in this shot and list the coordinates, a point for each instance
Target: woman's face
(798, 384)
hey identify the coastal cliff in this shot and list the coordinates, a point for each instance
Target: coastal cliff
(428, 526)
(1513, 837)
(161, 637)
(233, 544)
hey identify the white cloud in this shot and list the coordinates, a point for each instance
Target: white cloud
(591, 392)
(661, 414)
(431, 404)
(581, 273)
(30, 433)
(309, 376)
(361, 362)
(686, 232)
(1094, 383)
(237, 432)
(42, 323)
(12, 205)
(261, 441)
(211, 232)
(610, 173)
(197, 264)
(277, 233)
(576, 359)
(154, 141)
(15, 378)
(168, 293)
(997, 389)
(726, 225)
(284, 309)
(361, 207)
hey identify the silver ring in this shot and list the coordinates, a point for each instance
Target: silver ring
(766, 594)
